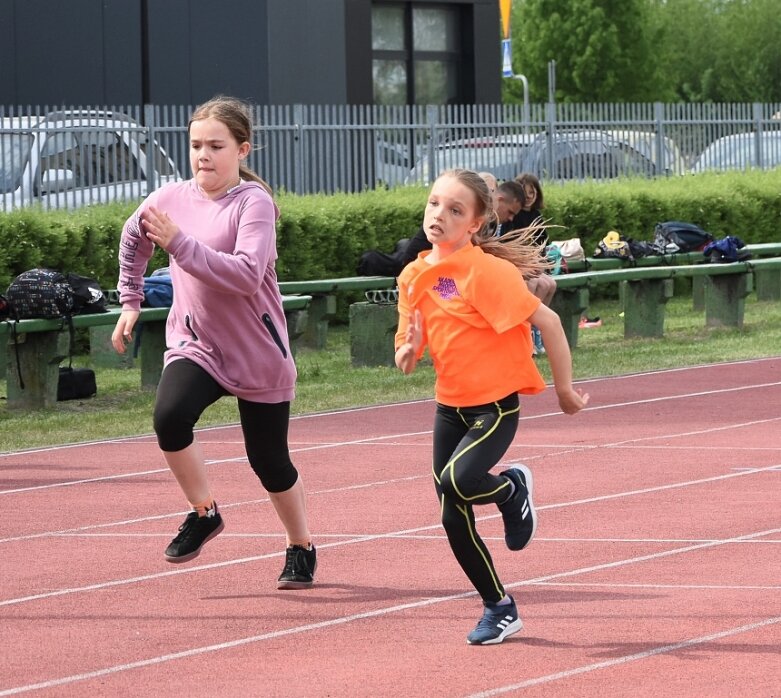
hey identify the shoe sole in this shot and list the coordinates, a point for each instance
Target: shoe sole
(528, 479)
(295, 585)
(511, 629)
(195, 553)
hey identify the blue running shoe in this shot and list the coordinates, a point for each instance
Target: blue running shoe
(497, 623)
(518, 513)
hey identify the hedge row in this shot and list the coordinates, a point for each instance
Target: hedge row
(323, 236)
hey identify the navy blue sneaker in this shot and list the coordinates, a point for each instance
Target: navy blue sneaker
(520, 518)
(194, 533)
(497, 623)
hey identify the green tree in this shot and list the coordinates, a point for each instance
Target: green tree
(719, 50)
(602, 50)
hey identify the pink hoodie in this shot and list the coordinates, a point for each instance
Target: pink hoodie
(227, 312)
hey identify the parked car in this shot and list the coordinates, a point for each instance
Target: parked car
(575, 155)
(739, 151)
(500, 155)
(594, 154)
(391, 163)
(68, 159)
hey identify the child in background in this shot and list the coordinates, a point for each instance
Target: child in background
(466, 301)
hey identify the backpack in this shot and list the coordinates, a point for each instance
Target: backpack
(676, 236)
(728, 249)
(40, 293)
(613, 245)
(49, 294)
(158, 291)
(88, 296)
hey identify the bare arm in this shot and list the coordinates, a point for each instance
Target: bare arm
(407, 353)
(571, 400)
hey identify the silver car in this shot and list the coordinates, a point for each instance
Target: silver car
(68, 159)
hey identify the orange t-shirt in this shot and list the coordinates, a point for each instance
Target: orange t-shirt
(476, 310)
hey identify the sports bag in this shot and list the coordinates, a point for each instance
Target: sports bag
(88, 296)
(676, 236)
(613, 245)
(40, 293)
(726, 250)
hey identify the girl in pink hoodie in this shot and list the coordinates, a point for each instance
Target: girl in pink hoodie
(226, 331)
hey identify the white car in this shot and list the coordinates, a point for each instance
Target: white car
(68, 159)
(739, 151)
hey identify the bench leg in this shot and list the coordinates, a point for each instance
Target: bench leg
(297, 323)
(102, 352)
(768, 284)
(698, 293)
(39, 358)
(725, 299)
(570, 304)
(321, 309)
(153, 347)
(372, 329)
(644, 305)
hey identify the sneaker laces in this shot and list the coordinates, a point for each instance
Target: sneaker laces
(187, 527)
(292, 561)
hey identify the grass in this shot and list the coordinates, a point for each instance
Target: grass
(327, 381)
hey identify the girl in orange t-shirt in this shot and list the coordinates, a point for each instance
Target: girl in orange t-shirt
(466, 301)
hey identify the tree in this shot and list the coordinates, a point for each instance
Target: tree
(601, 48)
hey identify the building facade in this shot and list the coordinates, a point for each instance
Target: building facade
(115, 52)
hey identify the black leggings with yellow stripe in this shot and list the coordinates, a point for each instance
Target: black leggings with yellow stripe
(468, 442)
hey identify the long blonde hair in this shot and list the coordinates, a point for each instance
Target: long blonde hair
(518, 246)
(237, 117)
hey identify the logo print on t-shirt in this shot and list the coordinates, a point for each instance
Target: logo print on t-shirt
(446, 288)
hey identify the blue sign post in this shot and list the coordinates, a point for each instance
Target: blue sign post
(507, 58)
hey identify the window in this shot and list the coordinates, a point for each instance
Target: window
(416, 53)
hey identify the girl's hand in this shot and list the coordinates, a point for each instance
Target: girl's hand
(159, 227)
(407, 353)
(572, 400)
(123, 332)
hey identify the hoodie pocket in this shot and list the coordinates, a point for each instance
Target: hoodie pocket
(271, 327)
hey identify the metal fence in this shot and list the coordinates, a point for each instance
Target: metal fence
(71, 156)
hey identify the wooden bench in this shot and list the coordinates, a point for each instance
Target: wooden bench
(646, 291)
(767, 282)
(43, 344)
(324, 293)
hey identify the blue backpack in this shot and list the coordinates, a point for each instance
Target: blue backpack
(158, 289)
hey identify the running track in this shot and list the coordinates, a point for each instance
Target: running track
(656, 569)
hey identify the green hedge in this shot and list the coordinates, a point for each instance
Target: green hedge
(324, 235)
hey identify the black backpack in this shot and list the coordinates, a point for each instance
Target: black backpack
(49, 294)
(40, 293)
(676, 236)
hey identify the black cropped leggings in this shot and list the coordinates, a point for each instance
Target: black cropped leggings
(468, 442)
(186, 390)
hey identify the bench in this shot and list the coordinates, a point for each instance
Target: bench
(767, 282)
(646, 290)
(43, 344)
(324, 293)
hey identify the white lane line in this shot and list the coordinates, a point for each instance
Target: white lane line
(663, 649)
(195, 651)
(375, 439)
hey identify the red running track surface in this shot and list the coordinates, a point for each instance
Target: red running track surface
(655, 571)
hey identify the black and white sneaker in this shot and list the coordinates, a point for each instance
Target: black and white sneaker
(193, 534)
(498, 622)
(518, 513)
(299, 570)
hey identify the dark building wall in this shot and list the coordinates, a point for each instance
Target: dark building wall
(91, 52)
(74, 52)
(197, 48)
(307, 54)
